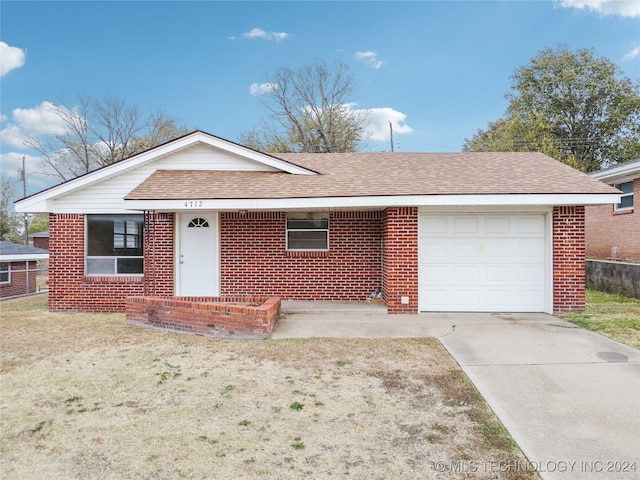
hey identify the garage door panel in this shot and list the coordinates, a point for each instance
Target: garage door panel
(497, 249)
(437, 298)
(528, 274)
(435, 249)
(498, 273)
(435, 274)
(498, 224)
(530, 224)
(465, 250)
(529, 299)
(467, 299)
(530, 248)
(483, 262)
(465, 274)
(498, 299)
(466, 225)
(436, 225)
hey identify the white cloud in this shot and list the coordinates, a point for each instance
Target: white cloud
(41, 119)
(11, 163)
(624, 8)
(370, 58)
(31, 121)
(10, 58)
(262, 89)
(378, 123)
(12, 135)
(376, 127)
(632, 54)
(258, 33)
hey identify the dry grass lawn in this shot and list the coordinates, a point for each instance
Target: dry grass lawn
(86, 396)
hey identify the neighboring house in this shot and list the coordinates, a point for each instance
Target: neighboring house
(40, 239)
(18, 268)
(613, 231)
(201, 216)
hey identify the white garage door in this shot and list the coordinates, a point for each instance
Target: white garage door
(482, 263)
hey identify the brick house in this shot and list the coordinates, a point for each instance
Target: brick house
(40, 239)
(19, 268)
(613, 231)
(202, 216)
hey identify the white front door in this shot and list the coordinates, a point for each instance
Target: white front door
(198, 255)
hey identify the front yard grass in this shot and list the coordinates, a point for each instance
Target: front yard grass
(611, 315)
(86, 396)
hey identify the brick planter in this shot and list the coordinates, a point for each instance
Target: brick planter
(222, 317)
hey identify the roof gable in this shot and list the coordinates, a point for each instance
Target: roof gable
(171, 156)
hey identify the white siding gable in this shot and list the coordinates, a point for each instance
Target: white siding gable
(107, 196)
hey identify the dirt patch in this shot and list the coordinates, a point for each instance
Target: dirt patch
(86, 396)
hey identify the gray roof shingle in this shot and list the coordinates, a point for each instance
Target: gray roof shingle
(9, 248)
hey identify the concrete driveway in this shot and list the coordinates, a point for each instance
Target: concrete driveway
(569, 397)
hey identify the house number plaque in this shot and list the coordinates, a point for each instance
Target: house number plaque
(193, 204)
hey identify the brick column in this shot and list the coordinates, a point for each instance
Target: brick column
(66, 261)
(400, 259)
(158, 254)
(568, 259)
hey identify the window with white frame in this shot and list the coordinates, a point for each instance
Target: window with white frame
(114, 244)
(5, 272)
(308, 231)
(626, 199)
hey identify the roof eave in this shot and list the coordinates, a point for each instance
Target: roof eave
(625, 172)
(550, 200)
(23, 257)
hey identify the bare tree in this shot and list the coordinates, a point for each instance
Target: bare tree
(9, 221)
(309, 111)
(96, 133)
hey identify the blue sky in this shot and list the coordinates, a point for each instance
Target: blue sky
(437, 70)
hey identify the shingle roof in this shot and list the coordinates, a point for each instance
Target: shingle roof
(14, 249)
(379, 174)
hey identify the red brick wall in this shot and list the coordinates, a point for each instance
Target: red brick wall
(214, 316)
(254, 260)
(605, 228)
(71, 290)
(400, 259)
(41, 242)
(18, 280)
(568, 259)
(158, 254)
(368, 250)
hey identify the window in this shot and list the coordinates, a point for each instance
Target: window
(626, 200)
(198, 223)
(5, 272)
(114, 244)
(308, 231)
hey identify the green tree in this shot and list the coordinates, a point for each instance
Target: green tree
(9, 222)
(309, 110)
(576, 107)
(39, 223)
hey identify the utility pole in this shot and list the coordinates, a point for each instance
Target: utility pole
(390, 136)
(23, 177)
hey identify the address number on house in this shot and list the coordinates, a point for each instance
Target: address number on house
(194, 204)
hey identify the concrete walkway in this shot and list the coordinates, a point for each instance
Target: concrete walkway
(570, 398)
